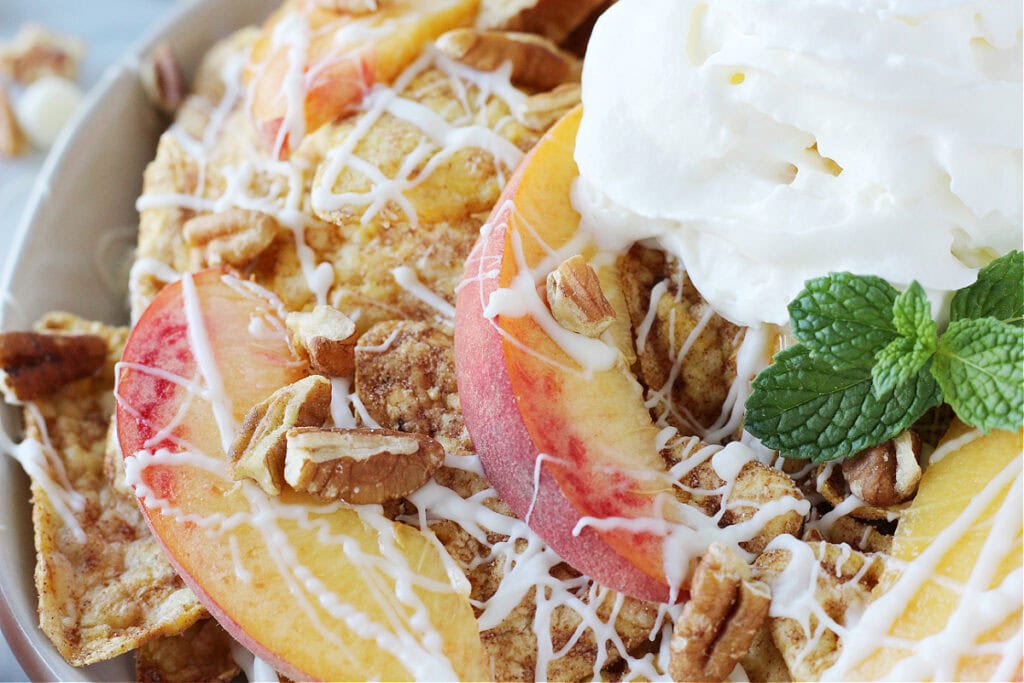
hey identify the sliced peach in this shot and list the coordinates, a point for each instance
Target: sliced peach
(968, 499)
(312, 65)
(534, 412)
(323, 592)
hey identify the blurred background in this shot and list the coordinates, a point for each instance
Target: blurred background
(106, 29)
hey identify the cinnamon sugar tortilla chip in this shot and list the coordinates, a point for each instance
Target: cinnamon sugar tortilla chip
(104, 584)
(200, 654)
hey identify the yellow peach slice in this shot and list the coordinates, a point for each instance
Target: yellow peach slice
(951, 604)
(319, 591)
(312, 65)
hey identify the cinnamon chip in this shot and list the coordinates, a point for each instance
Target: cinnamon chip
(33, 364)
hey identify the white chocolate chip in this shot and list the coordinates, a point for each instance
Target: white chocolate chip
(45, 107)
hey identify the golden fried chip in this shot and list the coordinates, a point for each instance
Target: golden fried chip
(405, 376)
(199, 654)
(686, 352)
(104, 584)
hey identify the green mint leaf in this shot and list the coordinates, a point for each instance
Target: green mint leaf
(912, 315)
(897, 363)
(998, 293)
(844, 319)
(980, 366)
(804, 408)
(904, 356)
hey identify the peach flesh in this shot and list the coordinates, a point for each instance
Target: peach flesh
(517, 408)
(244, 571)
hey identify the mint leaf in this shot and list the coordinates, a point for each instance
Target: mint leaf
(897, 363)
(980, 366)
(904, 356)
(912, 315)
(844, 319)
(804, 408)
(998, 293)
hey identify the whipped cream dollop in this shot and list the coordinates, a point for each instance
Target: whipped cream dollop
(766, 143)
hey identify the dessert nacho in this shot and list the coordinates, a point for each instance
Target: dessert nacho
(436, 373)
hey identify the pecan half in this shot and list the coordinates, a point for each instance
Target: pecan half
(235, 237)
(716, 627)
(162, 79)
(328, 337)
(258, 452)
(12, 139)
(576, 299)
(536, 62)
(886, 474)
(553, 19)
(36, 52)
(33, 365)
(360, 465)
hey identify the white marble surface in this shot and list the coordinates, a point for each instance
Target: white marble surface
(108, 27)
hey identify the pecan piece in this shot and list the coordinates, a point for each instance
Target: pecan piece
(327, 337)
(553, 19)
(33, 364)
(886, 474)
(258, 452)
(234, 237)
(162, 80)
(12, 139)
(536, 62)
(36, 52)
(360, 466)
(576, 299)
(716, 627)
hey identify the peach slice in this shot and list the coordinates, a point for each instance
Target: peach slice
(955, 603)
(572, 452)
(312, 64)
(319, 591)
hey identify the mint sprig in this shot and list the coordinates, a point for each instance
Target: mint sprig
(870, 362)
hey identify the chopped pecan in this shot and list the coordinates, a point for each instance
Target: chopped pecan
(258, 451)
(328, 337)
(540, 111)
(33, 365)
(234, 237)
(886, 474)
(716, 627)
(576, 299)
(162, 80)
(12, 139)
(36, 52)
(360, 465)
(553, 19)
(536, 62)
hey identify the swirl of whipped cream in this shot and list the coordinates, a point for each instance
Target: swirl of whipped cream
(766, 142)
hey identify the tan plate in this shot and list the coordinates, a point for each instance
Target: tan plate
(65, 256)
